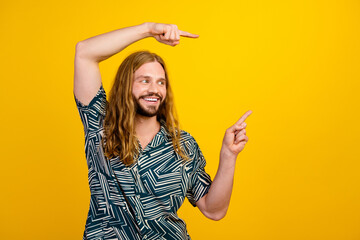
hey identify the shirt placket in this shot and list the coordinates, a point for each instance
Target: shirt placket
(139, 190)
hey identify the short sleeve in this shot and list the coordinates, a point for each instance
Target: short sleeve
(92, 115)
(200, 181)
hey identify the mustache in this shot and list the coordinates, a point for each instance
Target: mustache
(152, 95)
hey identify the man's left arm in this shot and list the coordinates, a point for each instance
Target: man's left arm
(215, 203)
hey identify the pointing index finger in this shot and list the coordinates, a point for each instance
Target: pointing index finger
(187, 34)
(243, 117)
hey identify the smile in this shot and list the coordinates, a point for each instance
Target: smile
(151, 100)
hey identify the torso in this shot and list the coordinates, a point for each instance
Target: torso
(145, 140)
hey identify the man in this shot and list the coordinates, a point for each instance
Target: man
(141, 165)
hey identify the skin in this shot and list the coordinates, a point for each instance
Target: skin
(149, 80)
(87, 80)
(215, 203)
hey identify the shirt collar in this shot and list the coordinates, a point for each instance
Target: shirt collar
(161, 135)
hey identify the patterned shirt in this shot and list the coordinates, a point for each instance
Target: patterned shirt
(155, 186)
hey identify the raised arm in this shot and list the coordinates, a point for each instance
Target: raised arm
(215, 203)
(90, 52)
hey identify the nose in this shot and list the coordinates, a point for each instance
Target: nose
(153, 88)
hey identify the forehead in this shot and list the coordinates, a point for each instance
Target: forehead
(151, 69)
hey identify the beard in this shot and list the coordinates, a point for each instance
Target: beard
(147, 111)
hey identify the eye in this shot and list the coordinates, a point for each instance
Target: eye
(144, 81)
(162, 82)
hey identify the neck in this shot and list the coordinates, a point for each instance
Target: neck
(145, 126)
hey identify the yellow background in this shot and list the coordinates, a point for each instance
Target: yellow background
(295, 64)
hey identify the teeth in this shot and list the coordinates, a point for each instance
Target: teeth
(151, 99)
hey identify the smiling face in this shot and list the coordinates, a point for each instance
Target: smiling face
(149, 89)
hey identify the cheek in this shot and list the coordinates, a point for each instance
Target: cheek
(136, 90)
(133, 89)
(164, 94)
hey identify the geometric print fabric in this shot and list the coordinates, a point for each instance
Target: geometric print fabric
(155, 185)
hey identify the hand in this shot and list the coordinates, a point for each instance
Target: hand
(168, 33)
(235, 137)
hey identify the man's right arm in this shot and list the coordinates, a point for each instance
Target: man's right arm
(90, 52)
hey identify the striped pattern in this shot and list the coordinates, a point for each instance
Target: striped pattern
(155, 185)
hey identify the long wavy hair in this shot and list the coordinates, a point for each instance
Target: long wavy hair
(119, 128)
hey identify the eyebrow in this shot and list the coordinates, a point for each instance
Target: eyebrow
(145, 76)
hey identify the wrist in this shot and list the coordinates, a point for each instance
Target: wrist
(227, 156)
(227, 162)
(146, 29)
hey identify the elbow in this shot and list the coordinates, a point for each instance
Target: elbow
(83, 51)
(213, 211)
(78, 45)
(217, 216)
(79, 49)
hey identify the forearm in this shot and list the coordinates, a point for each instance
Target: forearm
(215, 203)
(106, 45)
(218, 198)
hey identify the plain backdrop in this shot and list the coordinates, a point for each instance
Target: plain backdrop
(295, 64)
